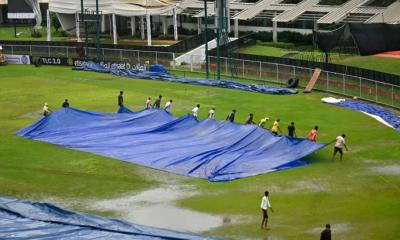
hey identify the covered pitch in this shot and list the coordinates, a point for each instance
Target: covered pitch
(214, 150)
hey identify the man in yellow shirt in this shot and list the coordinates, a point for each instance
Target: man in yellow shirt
(275, 127)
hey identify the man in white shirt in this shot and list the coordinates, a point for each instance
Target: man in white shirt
(148, 103)
(46, 109)
(168, 105)
(211, 113)
(339, 145)
(264, 207)
(263, 121)
(195, 110)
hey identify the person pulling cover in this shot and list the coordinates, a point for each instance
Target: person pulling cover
(121, 99)
(263, 121)
(339, 145)
(46, 110)
(275, 127)
(292, 130)
(65, 104)
(250, 119)
(168, 105)
(148, 103)
(157, 103)
(211, 113)
(313, 134)
(231, 116)
(195, 111)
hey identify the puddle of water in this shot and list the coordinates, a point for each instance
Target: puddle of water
(335, 228)
(387, 170)
(32, 115)
(156, 207)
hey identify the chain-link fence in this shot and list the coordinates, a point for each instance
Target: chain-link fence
(234, 69)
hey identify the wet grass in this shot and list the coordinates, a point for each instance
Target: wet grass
(348, 193)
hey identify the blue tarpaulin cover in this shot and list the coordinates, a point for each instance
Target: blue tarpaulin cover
(210, 149)
(162, 76)
(158, 68)
(385, 114)
(25, 220)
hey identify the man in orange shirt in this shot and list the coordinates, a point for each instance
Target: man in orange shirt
(313, 134)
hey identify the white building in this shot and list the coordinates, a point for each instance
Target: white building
(145, 16)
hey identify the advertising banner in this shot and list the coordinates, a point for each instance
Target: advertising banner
(114, 65)
(75, 62)
(17, 59)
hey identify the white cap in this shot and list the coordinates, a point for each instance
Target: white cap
(1, 48)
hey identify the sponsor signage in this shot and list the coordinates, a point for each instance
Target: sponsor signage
(75, 62)
(17, 59)
(19, 9)
(55, 61)
(114, 65)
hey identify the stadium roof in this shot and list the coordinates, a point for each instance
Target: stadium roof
(126, 8)
(352, 11)
(3, 2)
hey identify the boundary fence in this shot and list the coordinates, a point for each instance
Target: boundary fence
(261, 72)
(337, 68)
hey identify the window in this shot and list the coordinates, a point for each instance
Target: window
(332, 2)
(290, 1)
(380, 3)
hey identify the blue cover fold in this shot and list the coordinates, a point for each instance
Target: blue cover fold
(165, 76)
(385, 114)
(23, 220)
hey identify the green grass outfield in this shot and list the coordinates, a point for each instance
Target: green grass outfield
(382, 64)
(359, 196)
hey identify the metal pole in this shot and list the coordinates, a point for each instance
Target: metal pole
(327, 81)
(191, 63)
(392, 95)
(260, 70)
(97, 31)
(376, 91)
(243, 68)
(360, 86)
(173, 61)
(86, 35)
(206, 38)
(344, 84)
(218, 56)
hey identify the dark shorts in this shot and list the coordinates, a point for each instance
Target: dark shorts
(275, 133)
(336, 149)
(265, 214)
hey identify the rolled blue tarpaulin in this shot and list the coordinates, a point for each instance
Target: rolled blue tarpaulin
(210, 149)
(165, 76)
